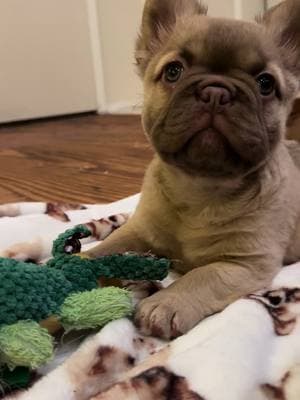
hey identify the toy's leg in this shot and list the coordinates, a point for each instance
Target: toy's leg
(122, 240)
(15, 338)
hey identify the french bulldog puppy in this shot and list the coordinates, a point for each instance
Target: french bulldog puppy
(222, 195)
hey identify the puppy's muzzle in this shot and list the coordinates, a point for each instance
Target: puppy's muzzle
(215, 96)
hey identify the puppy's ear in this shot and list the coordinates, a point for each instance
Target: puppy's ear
(283, 23)
(159, 19)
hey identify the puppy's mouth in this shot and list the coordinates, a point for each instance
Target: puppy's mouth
(213, 134)
(209, 138)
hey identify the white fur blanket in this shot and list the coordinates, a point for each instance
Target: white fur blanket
(250, 351)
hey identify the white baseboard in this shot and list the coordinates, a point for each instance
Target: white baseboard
(122, 108)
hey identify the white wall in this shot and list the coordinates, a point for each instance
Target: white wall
(46, 64)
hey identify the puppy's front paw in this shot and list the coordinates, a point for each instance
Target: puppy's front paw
(166, 315)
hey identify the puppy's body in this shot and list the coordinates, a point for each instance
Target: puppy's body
(221, 198)
(199, 222)
(237, 233)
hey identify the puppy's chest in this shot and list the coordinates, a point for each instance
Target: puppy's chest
(208, 237)
(198, 233)
(214, 235)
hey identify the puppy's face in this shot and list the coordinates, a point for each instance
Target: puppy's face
(217, 92)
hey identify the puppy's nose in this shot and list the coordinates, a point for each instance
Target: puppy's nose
(215, 96)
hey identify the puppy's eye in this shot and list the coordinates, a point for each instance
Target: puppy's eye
(173, 71)
(266, 83)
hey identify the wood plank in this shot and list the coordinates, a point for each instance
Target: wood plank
(90, 159)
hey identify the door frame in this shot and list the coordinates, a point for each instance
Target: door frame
(96, 46)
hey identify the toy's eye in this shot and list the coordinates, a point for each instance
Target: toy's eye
(275, 300)
(266, 83)
(173, 71)
(72, 245)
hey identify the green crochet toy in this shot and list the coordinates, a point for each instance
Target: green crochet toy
(66, 291)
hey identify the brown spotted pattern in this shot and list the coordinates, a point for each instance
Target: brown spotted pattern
(159, 383)
(277, 392)
(273, 393)
(284, 307)
(109, 360)
(154, 384)
(105, 226)
(89, 377)
(58, 210)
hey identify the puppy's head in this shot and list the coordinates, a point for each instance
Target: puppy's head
(217, 91)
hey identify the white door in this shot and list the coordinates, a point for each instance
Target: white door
(46, 61)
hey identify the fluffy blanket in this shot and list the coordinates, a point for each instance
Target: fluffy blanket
(249, 351)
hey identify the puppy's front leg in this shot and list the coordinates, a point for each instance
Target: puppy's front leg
(126, 238)
(198, 294)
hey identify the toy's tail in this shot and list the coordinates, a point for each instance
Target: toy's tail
(69, 241)
(129, 266)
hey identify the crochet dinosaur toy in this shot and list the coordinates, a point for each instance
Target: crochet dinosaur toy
(63, 292)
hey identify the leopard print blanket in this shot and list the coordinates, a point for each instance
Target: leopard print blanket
(250, 351)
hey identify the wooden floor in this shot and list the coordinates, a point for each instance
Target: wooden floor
(86, 159)
(89, 159)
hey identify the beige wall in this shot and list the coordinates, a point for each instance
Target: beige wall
(246, 9)
(252, 8)
(272, 3)
(217, 8)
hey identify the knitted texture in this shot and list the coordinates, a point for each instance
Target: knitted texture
(96, 308)
(82, 272)
(30, 292)
(25, 344)
(131, 266)
(76, 270)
